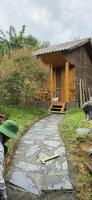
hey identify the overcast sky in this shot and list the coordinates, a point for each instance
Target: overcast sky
(55, 21)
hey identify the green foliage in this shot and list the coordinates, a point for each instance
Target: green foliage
(77, 148)
(31, 42)
(11, 40)
(24, 76)
(73, 119)
(16, 41)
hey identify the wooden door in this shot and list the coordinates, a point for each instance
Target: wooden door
(71, 84)
(58, 83)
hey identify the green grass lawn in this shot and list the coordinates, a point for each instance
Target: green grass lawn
(77, 147)
(24, 117)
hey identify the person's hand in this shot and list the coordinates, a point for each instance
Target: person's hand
(4, 195)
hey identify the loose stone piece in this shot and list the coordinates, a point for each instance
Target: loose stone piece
(83, 130)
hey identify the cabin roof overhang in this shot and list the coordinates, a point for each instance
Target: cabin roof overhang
(65, 47)
(54, 54)
(56, 59)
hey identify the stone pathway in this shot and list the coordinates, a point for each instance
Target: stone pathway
(27, 172)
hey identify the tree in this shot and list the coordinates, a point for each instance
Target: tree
(11, 40)
(16, 41)
(4, 44)
(24, 76)
(31, 42)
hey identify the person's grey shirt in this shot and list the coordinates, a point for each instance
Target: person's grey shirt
(2, 181)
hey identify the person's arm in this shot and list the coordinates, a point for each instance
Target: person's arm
(2, 182)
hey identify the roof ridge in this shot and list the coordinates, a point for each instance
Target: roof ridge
(66, 42)
(63, 46)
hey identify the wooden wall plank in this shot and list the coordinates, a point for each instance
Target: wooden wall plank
(51, 67)
(67, 80)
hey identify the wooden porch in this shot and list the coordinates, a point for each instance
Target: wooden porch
(62, 80)
(63, 83)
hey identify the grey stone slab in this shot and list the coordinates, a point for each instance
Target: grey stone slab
(52, 143)
(60, 150)
(38, 137)
(51, 129)
(32, 150)
(17, 152)
(43, 155)
(59, 166)
(26, 137)
(36, 130)
(65, 165)
(38, 178)
(57, 182)
(28, 142)
(27, 167)
(21, 180)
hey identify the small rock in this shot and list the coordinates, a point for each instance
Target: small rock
(83, 130)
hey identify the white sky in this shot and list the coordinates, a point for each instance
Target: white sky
(55, 21)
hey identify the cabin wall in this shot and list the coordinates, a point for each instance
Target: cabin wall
(71, 83)
(83, 68)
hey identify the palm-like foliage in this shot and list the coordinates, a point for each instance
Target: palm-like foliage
(4, 44)
(16, 40)
(11, 40)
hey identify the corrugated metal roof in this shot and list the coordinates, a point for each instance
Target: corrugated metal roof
(62, 47)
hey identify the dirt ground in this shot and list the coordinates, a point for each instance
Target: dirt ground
(16, 194)
(77, 158)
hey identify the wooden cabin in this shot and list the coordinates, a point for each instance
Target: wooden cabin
(69, 63)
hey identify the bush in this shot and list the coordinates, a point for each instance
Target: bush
(23, 76)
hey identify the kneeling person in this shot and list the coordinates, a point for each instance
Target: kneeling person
(8, 130)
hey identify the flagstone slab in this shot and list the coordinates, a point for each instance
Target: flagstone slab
(20, 179)
(55, 182)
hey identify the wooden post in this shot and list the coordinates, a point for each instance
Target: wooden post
(51, 82)
(89, 95)
(81, 96)
(83, 91)
(67, 81)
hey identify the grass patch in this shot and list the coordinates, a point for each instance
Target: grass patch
(77, 147)
(24, 117)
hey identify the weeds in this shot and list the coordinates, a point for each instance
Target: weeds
(77, 147)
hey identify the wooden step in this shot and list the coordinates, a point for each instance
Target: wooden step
(58, 107)
(55, 109)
